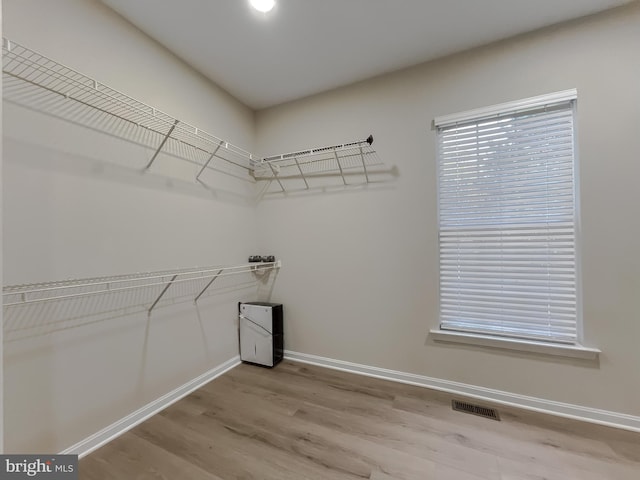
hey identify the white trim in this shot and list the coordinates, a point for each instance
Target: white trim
(532, 346)
(507, 107)
(566, 410)
(98, 439)
(577, 225)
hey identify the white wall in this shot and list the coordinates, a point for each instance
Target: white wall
(76, 205)
(361, 265)
(361, 275)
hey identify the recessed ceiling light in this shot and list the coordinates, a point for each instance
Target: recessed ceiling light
(263, 5)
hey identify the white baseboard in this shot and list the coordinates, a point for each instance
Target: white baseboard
(567, 410)
(97, 440)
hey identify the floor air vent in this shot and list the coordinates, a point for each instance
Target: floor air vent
(491, 413)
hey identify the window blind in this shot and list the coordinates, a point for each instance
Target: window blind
(507, 230)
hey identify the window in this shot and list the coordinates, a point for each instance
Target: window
(507, 201)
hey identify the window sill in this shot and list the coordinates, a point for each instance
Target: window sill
(571, 351)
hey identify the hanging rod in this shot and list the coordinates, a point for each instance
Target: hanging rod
(61, 290)
(38, 82)
(342, 160)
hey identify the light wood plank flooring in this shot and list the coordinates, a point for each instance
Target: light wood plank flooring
(304, 422)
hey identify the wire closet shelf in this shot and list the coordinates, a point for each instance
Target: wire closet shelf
(343, 160)
(39, 83)
(42, 84)
(16, 295)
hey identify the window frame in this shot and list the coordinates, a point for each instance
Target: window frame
(576, 348)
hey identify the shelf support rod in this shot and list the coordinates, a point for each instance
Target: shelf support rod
(210, 158)
(208, 285)
(364, 165)
(301, 174)
(162, 293)
(164, 140)
(335, 154)
(275, 175)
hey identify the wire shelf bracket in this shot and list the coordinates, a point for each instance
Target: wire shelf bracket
(164, 290)
(209, 160)
(195, 300)
(164, 140)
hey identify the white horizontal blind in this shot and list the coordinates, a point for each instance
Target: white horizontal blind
(507, 224)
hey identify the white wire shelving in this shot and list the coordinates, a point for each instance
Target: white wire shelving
(16, 295)
(42, 84)
(39, 83)
(343, 160)
(38, 309)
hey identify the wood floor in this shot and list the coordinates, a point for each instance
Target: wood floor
(303, 422)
